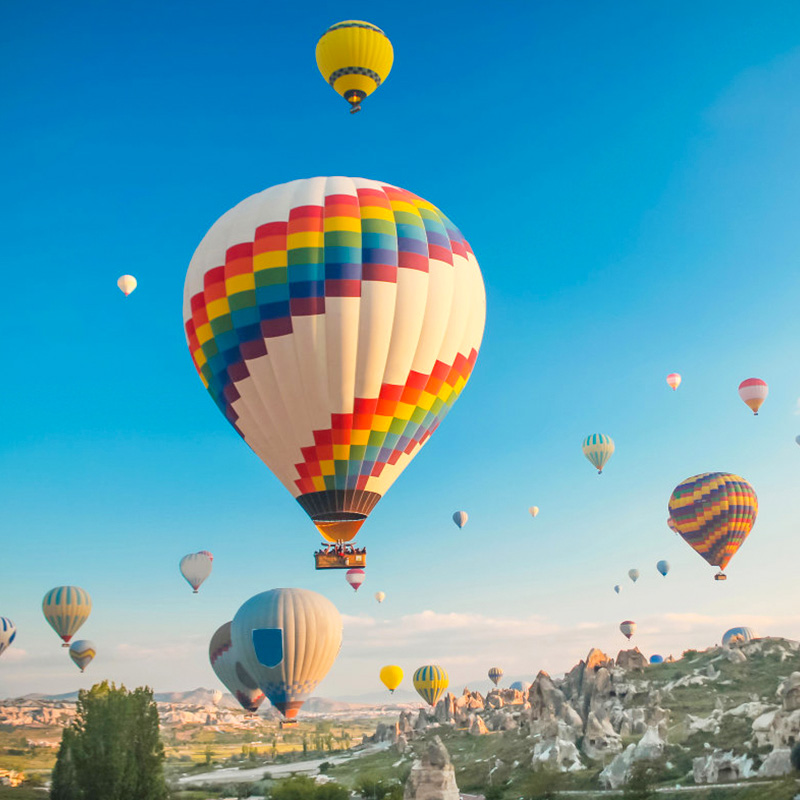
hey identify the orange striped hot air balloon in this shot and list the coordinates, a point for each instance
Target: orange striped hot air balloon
(753, 392)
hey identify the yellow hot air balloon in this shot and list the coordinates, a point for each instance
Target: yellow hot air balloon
(391, 676)
(127, 283)
(355, 58)
(430, 682)
(66, 608)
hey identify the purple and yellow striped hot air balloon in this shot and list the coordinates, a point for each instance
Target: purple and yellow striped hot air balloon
(66, 608)
(714, 512)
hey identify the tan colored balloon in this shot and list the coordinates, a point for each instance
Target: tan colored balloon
(380, 596)
(287, 639)
(127, 283)
(534, 510)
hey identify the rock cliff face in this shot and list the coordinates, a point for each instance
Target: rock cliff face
(432, 776)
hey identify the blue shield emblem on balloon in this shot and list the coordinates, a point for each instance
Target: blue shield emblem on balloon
(268, 646)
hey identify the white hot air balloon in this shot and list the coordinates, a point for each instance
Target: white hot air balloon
(127, 283)
(534, 511)
(196, 567)
(8, 632)
(753, 392)
(82, 652)
(633, 574)
(628, 628)
(228, 668)
(287, 639)
(380, 596)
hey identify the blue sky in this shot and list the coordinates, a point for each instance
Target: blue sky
(627, 176)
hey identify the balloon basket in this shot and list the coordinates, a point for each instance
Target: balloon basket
(341, 556)
(720, 576)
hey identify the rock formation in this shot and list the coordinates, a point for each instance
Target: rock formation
(433, 776)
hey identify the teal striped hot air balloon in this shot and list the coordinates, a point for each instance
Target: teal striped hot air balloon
(598, 448)
(66, 608)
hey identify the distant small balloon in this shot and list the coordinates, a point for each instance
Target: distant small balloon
(8, 632)
(738, 636)
(616, 588)
(674, 380)
(598, 448)
(534, 510)
(127, 283)
(495, 673)
(797, 439)
(355, 577)
(196, 567)
(656, 659)
(521, 686)
(663, 567)
(628, 628)
(391, 676)
(633, 574)
(430, 682)
(82, 652)
(66, 608)
(380, 596)
(460, 518)
(753, 392)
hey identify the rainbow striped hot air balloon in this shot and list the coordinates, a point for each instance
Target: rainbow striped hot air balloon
(714, 512)
(334, 322)
(598, 448)
(753, 392)
(66, 608)
(430, 682)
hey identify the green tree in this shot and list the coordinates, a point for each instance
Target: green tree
(642, 780)
(542, 785)
(331, 791)
(298, 787)
(113, 748)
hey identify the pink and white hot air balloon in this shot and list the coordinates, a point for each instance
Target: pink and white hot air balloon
(673, 380)
(355, 577)
(753, 392)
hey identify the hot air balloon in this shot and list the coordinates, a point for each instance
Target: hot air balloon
(391, 677)
(8, 632)
(521, 686)
(66, 608)
(598, 448)
(628, 628)
(355, 58)
(534, 511)
(196, 567)
(714, 513)
(380, 596)
(228, 668)
(754, 392)
(287, 639)
(355, 577)
(460, 518)
(495, 673)
(82, 652)
(797, 439)
(127, 283)
(656, 659)
(663, 567)
(334, 321)
(738, 636)
(616, 588)
(673, 380)
(633, 574)
(430, 682)
(671, 525)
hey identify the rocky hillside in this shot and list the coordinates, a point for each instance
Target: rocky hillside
(721, 715)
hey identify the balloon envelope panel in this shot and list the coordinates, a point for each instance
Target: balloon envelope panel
(231, 673)
(738, 635)
(334, 321)
(8, 633)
